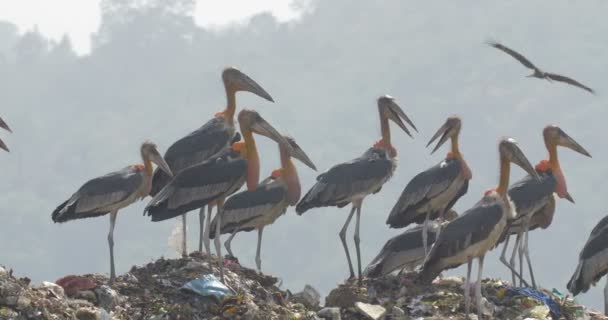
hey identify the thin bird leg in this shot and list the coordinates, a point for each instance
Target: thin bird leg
(425, 230)
(358, 240)
(606, 297)
(467, 287)
(520, 253)
(218, 246)
(207, 234)
(258, 259)
(111, 245)
(510, 265)
(201, 221)
(228, 242)
(478, 288)
(184, 237)
(342, 235)
(512, 260)
(527, 254)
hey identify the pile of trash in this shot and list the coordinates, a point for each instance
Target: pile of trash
(166, 289)
(400, 298)
(186, 288)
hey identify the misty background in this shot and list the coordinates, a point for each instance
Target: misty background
(153, 73)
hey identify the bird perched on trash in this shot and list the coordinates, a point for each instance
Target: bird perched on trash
(434, 191)
(112, 192)
(593, 262)
(534, 201)
(406, 250)
(350, 182)
(251, 210)
(538, 73)
(477, 230)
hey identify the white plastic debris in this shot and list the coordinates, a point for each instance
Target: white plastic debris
(372, 311)
(309, 297)
(175, 239)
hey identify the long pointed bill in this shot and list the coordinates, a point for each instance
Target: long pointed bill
(3, 146)
(4, 126)
(245, 83)
(566, 141)
(298, 153)
(569, 197)
(160, 162)
(517, 157)
(443, 132)
(262, 127)
(395, 108)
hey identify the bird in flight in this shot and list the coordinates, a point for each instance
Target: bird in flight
(538, 73)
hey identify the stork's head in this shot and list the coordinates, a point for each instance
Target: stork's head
(251, 121)
(297, 152)
(390, 110)
(555, 136)
(236, 80)
(450, 129)
(150, 152)
(510, 151)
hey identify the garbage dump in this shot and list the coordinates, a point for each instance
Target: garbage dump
(186, 288)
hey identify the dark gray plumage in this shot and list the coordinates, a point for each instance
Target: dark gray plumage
(593, 260)
(422, 189)
(339, 185)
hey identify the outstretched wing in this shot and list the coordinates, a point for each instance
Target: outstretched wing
(513, 54)
(570, 81)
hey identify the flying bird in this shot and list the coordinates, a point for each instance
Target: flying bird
(434, 191)
(214, 180)
(534, 201)
(4, 126)
(350, 182)
(593, 262)
(207, 141)
(538, 73)
(478, 229)
(406, 250)
(254, 210)
(112, 192)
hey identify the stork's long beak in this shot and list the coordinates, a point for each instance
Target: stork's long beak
(3, 146)
(298, 153)
(517, 157)
(160, 162)
(397, 115)
(565, 140)
(262, 127)
(569, 198)
(4, 126)
(244, 83)
(443, 132)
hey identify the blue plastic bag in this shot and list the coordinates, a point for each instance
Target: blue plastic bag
(540, 296)
(207, 285)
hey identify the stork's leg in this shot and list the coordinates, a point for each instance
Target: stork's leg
(218, 246)
(478, 288)
(342, 235)
(228, 242)
(258, 259)
(467, 288)
(207, 240)
(527, 254)
(358, 241)
(425, 235)
(113, 215)
(184, 237)
(520, 253)
(511, 264)
(516, 246)
(606, 297)
(503, 258)
(201, 221)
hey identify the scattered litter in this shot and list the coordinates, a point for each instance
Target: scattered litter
(373, 312)
(308, 297)
(551, 305)
(207, 285)
(330, 313)
(72, 284)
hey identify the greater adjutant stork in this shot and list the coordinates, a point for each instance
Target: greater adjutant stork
(112, 192)
(4, 126)
(254, 209)
(434, 191)
(478, 229)
(215, 179)
(593, 262)
(352, 181)
(206, 141)
(534, 201)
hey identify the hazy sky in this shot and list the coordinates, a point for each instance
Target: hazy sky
(79, 18)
